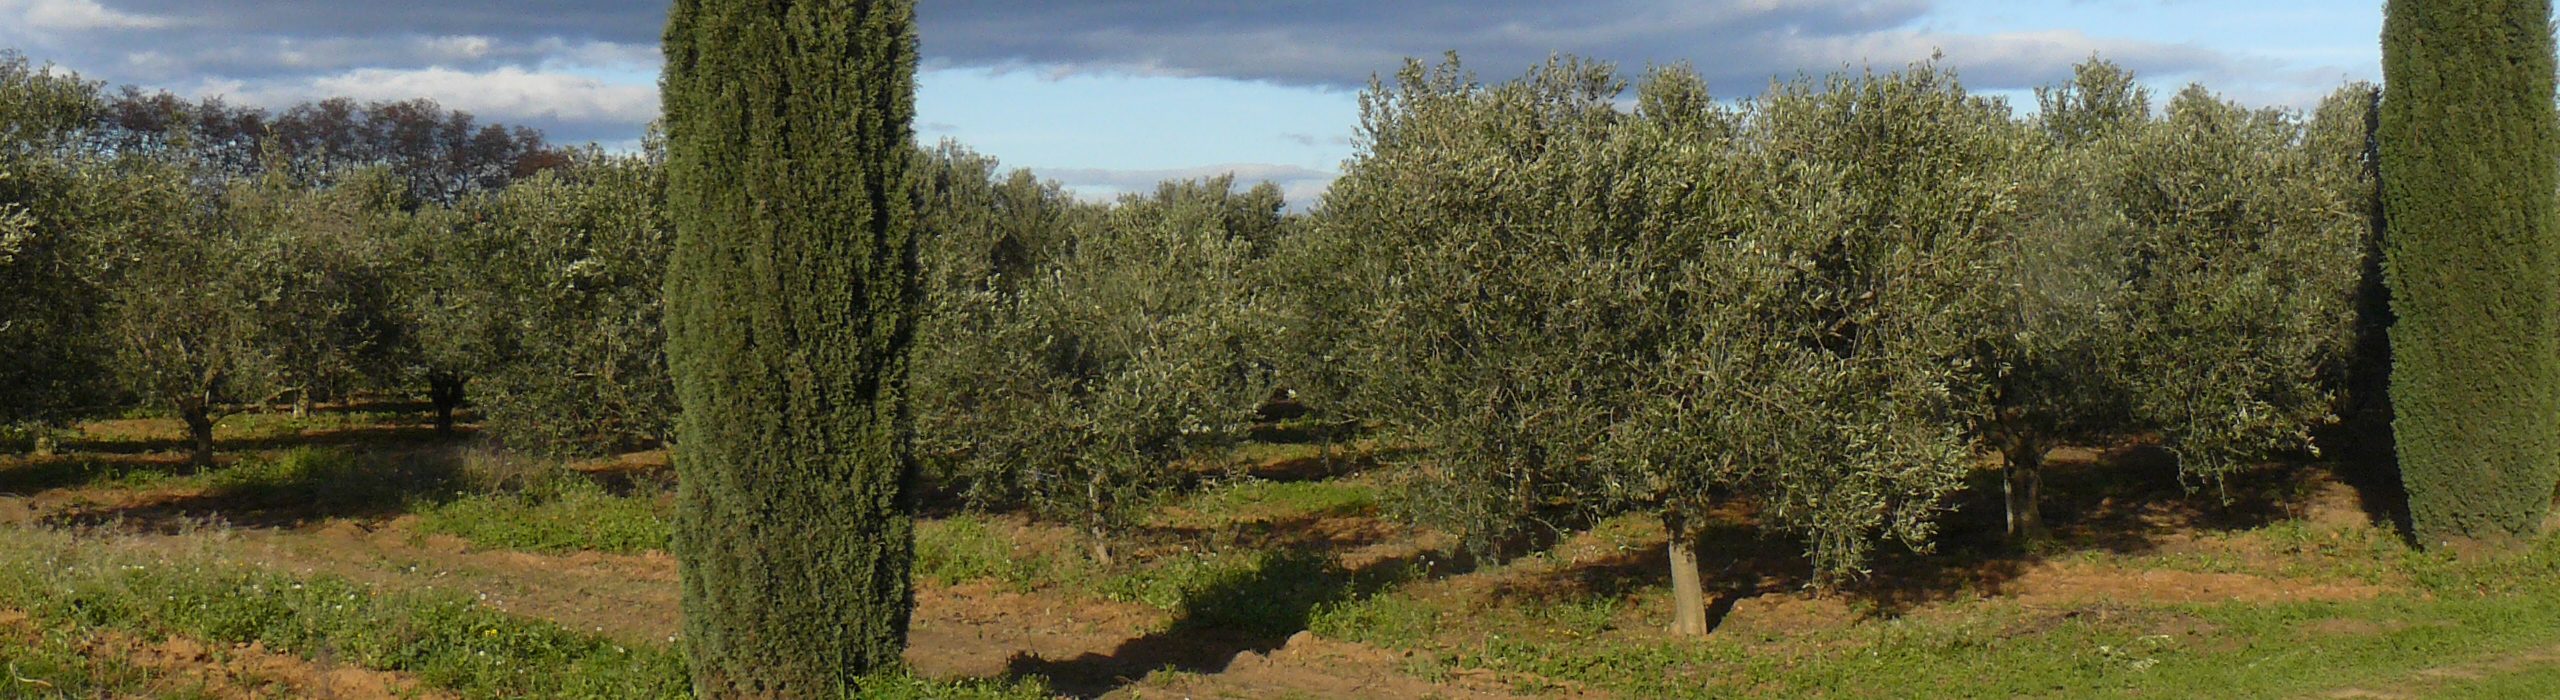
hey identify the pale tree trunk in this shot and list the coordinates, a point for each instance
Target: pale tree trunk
(302, 403)
(2023, 485)
(1688, 590)
(1098, 521)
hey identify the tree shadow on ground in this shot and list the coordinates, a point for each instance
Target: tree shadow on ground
(1256, 612)
(2367, 459)
(295, 489)
(2124, 501)
(28, 476)
(384, 435)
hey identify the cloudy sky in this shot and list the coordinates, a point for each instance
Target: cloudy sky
(1109, 95)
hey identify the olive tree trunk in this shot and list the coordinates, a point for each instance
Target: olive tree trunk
(2022, 483)
(446, 392)
(198, 415)
(1688, 588)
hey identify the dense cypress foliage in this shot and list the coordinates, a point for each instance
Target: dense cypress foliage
(791, 295)
(2469, 144)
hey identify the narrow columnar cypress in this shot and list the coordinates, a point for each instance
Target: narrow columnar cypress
(791, 296)
(2471, 161)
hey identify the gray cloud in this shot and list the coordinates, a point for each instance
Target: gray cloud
(539, 62)
(544, 64)
(1738, 45)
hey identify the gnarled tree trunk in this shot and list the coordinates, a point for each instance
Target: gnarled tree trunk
(198, 414)
(2023, 484)
(445, 391)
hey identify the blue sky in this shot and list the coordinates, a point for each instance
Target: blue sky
(1112, 95)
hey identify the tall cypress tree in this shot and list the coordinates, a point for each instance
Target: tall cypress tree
(791, 296)
(2470, 162)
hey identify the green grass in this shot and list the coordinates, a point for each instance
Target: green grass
(2543, 682)
(568, 513)
(967, 548)
(1270, 501)
(2461, 613)
(52, 666)
(37, 475)
(446, 640)
(331, 481)
(72, 586)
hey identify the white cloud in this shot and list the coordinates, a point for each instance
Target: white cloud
(1301, 185)
(509, 93)
(74, 16)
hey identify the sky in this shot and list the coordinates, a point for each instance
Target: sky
(1110, 96)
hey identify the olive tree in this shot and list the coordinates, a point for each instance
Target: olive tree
(1072, 357)
(317, 263)
(58, 205)
(454, 298)
(1824, 375)
(570, 285)
(186, 332)
(2052, 363)
(2248, 258)
(1580, 312)
(1470, 291)
(2193, 277)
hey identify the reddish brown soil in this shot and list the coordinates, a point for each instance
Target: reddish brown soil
(1090, 646)
(179, 664)
(2432, 682)
(1311, 666)
(2066, 584)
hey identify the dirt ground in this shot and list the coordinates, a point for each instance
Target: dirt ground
(1092, 647)
(180, 665)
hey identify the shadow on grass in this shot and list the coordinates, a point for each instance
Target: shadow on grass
(2126, 501)
(292, 489)
(402, 433)
(1254, 611)
(28, 476)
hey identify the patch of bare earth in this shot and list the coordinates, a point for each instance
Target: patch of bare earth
(179, 664)
(965, 631)
(1312, 666)
(2427, 682)
(2081, 583)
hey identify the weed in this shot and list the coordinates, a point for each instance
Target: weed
(444, 639)
(566, 513)
(964, 548)
(1268, 501)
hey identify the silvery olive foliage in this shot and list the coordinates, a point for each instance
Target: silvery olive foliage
(2191, 275)
(2053, 360)
(57, 207)
(319, 262)
(275, 287)
(1839, 402)
(1475, 302)
(1072, 357)
(2251, 239)
(556, 281)
(1581, 311)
